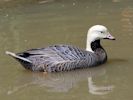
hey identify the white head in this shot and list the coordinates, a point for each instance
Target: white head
(97, 32)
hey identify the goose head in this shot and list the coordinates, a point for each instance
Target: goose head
(97, 32)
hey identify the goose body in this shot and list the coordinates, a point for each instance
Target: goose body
(65, 57)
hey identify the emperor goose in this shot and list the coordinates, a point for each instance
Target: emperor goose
(66, 57)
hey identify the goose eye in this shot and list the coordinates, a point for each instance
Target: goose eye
(101, 32)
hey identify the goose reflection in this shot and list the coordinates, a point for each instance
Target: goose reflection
(64, 81)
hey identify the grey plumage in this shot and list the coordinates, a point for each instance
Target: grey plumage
(61, 58)
(65, 57)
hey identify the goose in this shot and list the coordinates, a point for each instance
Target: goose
(61, 57)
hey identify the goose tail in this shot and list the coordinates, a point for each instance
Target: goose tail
(17, 57)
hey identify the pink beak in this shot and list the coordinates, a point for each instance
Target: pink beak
(110, 37)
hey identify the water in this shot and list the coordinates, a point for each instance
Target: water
(31, 24)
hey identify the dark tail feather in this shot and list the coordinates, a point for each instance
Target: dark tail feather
(18, 57)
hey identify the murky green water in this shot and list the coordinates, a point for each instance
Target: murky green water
(25, 24)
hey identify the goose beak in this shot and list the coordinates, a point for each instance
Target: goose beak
(110, 37)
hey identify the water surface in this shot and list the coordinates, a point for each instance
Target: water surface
(31, 24)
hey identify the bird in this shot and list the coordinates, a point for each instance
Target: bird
(61, 57)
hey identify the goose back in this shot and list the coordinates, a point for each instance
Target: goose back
(62, 58)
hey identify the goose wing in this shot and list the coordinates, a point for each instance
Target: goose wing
(56, 58)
